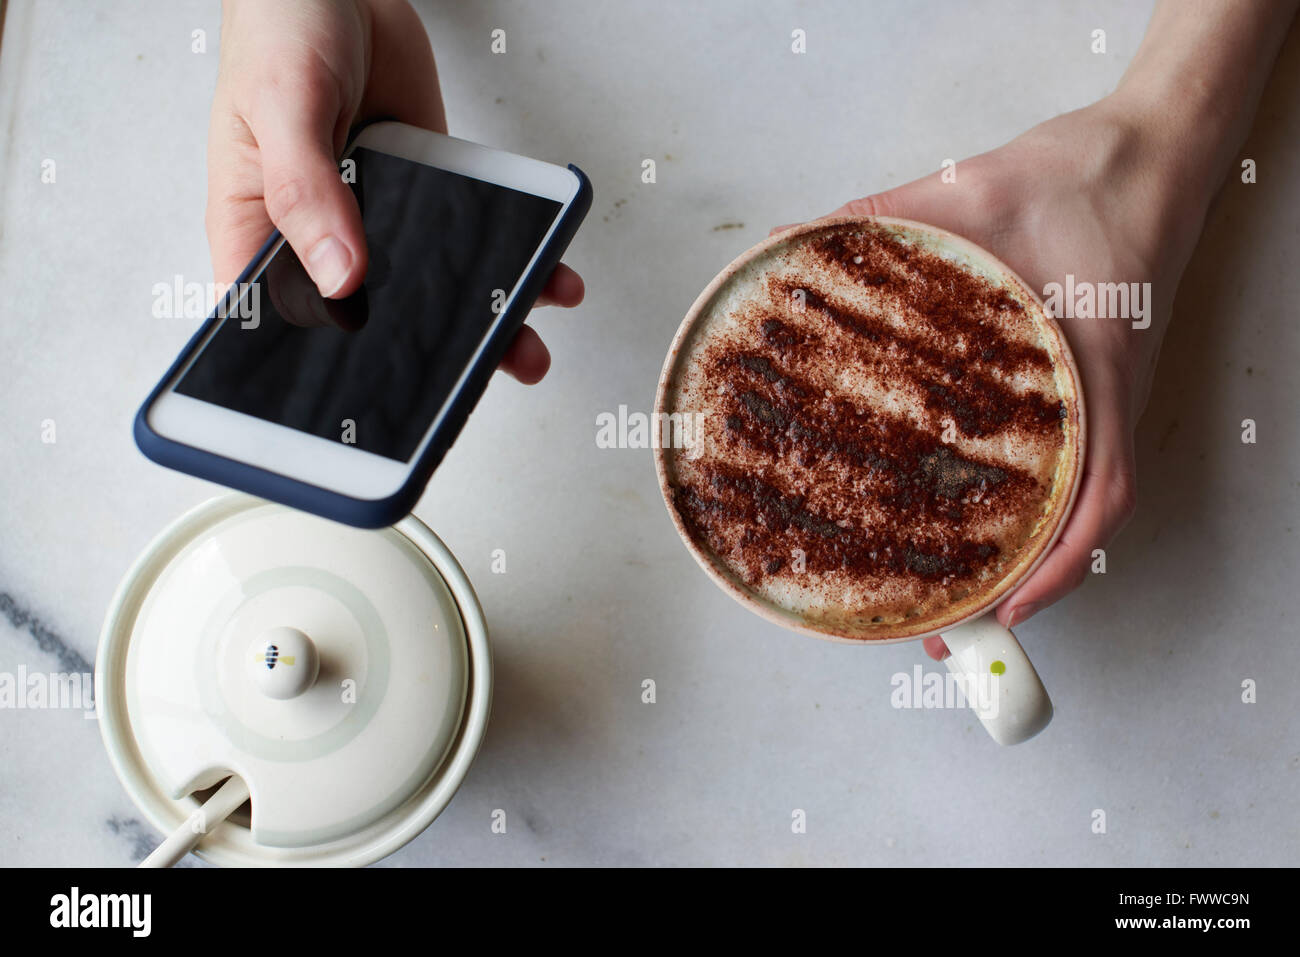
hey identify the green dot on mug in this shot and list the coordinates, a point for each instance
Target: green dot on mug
(998, 668)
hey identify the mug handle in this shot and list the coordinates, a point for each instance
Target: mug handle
(998, 680)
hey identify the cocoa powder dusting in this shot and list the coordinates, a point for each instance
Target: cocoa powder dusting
(957, 385)
(810, 481)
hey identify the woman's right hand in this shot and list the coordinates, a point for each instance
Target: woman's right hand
(295, 77)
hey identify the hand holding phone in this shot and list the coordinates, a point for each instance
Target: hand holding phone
(295, 76)
(344, 406)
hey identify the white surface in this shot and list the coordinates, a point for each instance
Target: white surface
(1144, 664)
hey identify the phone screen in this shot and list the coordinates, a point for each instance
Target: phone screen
(373, 370)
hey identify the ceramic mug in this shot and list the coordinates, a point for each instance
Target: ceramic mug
(1009, 696)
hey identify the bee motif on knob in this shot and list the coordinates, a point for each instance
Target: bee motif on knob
(272, 656)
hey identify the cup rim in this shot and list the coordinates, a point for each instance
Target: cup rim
(229, 847)
(1027, 566)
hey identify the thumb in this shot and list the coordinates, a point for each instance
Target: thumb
(923, 199)
(308, 201)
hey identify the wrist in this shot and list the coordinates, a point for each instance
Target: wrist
(1182, 136)
(1162, 167)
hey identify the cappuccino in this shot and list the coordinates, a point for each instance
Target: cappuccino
(891, 425)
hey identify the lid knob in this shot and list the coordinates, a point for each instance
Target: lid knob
(283, 662)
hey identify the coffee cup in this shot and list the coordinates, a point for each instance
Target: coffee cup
(873, 433)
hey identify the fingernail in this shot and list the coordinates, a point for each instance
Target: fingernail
(328, 262)
(1022, 613)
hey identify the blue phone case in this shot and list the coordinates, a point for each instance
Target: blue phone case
(362, 513)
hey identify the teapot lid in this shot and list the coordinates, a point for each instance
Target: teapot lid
(330, 667)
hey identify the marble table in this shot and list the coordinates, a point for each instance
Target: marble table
(750, 723)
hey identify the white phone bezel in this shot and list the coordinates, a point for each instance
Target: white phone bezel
(328, 464)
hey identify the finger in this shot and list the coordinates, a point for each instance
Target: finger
(928, 200)
(935, 648)
(528, 358)
(407, 88)
(306, 197)
(914, 200)
(564, 288)
(298, 303)
(236, 220)
(1106, 502)
(781, 229)
(983, 214)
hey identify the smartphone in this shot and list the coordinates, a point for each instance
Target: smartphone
(344, 408)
